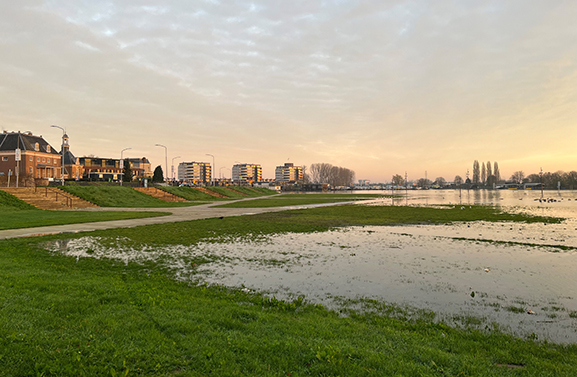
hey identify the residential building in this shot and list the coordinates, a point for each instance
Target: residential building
(288, 173)
(246, 173)
(38, 159)
(197, 173)
(96, 168)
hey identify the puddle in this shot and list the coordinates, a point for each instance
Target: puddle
(418, 267)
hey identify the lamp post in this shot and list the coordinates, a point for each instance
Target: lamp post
(61, 151)
(172, 166)
(121, 164)
(211, 173)
(165, 159)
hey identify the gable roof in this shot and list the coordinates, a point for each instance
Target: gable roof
(9, 141)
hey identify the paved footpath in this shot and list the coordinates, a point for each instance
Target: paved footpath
(204, 211)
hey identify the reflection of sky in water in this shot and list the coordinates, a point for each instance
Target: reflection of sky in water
(416, 266)
(524, 200)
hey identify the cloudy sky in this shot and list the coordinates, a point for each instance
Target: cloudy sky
(380, 87)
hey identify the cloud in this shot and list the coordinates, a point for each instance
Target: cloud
(410, 81)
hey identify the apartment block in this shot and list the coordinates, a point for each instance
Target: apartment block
(288, 173)
(246, 173)
(197, 173)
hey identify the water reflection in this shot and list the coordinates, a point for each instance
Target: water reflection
(446, 269)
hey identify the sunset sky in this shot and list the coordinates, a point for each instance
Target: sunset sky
(380, 87)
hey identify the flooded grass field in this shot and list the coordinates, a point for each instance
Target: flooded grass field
(515, 276)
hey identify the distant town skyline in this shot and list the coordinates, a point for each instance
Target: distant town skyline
(379, 88)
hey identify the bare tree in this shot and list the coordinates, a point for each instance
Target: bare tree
(458, 180)
(518, 176)
(306, 176)
(489, 170)
(335, 176)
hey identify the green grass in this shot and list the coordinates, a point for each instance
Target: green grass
(310, 220)
(286, 200)
(264, 190)
(9, 202)
(281, 202)
(15, 214)
(190, 193)
(119, 196)
(228, 193)
(67, 317)
(63, 317)
(251, 191)
(37, 217)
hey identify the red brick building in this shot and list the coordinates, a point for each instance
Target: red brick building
(38, 159)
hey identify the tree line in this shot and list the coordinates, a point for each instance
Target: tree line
(335, 176)
(550, 180)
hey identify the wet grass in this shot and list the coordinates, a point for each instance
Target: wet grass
(309, 220)
(119, 196)
(287, 200)
(60, 316)
(15, 214)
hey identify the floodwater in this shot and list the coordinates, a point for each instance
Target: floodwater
(520, 277)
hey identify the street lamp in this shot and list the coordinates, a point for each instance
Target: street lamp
(211, 173)
(172, 166)
(165, 159)
(121, 164)
(62, 152)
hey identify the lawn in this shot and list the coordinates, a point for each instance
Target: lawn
(14, 214)
(190, 193)
(68, 317)
(119, 196)
(310, 220)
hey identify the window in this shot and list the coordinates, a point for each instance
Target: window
(30, 170)
(30, 158)
(4, 158)
(36, 147)
(48, 148)
(43, 160)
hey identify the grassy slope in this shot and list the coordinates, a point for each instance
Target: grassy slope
(228, 193)
(14, 214)
(117, 196)
(190, 193)
(59, 316)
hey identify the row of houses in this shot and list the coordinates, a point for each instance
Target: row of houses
(23, 154)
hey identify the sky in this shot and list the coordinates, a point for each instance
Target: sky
(379, 87)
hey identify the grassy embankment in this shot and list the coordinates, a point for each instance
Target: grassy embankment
(62, 316)
(120, 196)
(15, 214)
(190, 193)
(285, 200)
